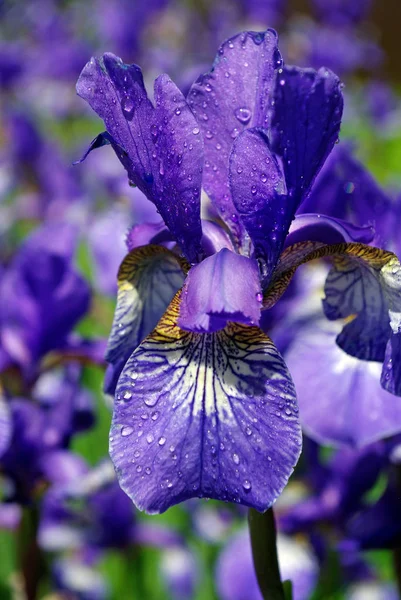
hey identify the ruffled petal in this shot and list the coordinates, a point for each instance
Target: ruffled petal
(148, 279)
(160, 147)
(204, 415)
(224, 287)
(234, 95)
(305, 124)
(340, 397)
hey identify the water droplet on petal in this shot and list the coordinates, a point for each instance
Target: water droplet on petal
(195, 130)
(127, 105)
(247, 485)
(126, 430)
(162, 441)
(236, 459)
(243, 115)
(149, 438)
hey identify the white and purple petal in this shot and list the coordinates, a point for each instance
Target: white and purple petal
(148, 279)
(367, 290)
(234, 95)
(204, 415)
(160, 147)
(223, 287)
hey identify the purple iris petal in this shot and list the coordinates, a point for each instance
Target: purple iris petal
(223, 287)
(161, 148)
(234, 95)
(148, 280)
(5, 425)
(367, 291)
(378, 526)
(10, 515)
(51, 297)
(147, 233)
(73, 577)
(391, 373)
(236, 579)
(305, 124)
(346, 190)
(340, 397)
(259, 194)
(325, 229)
(180, 572)
(204, 415)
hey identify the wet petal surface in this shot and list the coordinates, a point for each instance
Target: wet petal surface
(160, 147)
(234, 95)
(305, 124)
(204, 415)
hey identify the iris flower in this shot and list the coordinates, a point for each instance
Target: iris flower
(204, 403)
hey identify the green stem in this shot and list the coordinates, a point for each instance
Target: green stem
(262, 528)
(397, 568)
(31, 559)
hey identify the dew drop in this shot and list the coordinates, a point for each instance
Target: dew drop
(148, 470)
(239, 170)
(139, 469)
(253, 189)
(243, 115)
(195, 130)
(127, 105)
(150, 401)
(162, 441)
(209, 134)
(149, 438)
(155, 416)
(236, 459)
(177, 111)
(247, 485)
(126, 430)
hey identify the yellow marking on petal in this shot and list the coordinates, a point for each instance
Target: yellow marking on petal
(303, 252)
(138, 260)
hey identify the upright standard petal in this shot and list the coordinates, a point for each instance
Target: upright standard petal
(224, 287)
(148, 279)
(306, 121)
(234, 95)
(204, 415)
(259, 194)
(161, 148)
